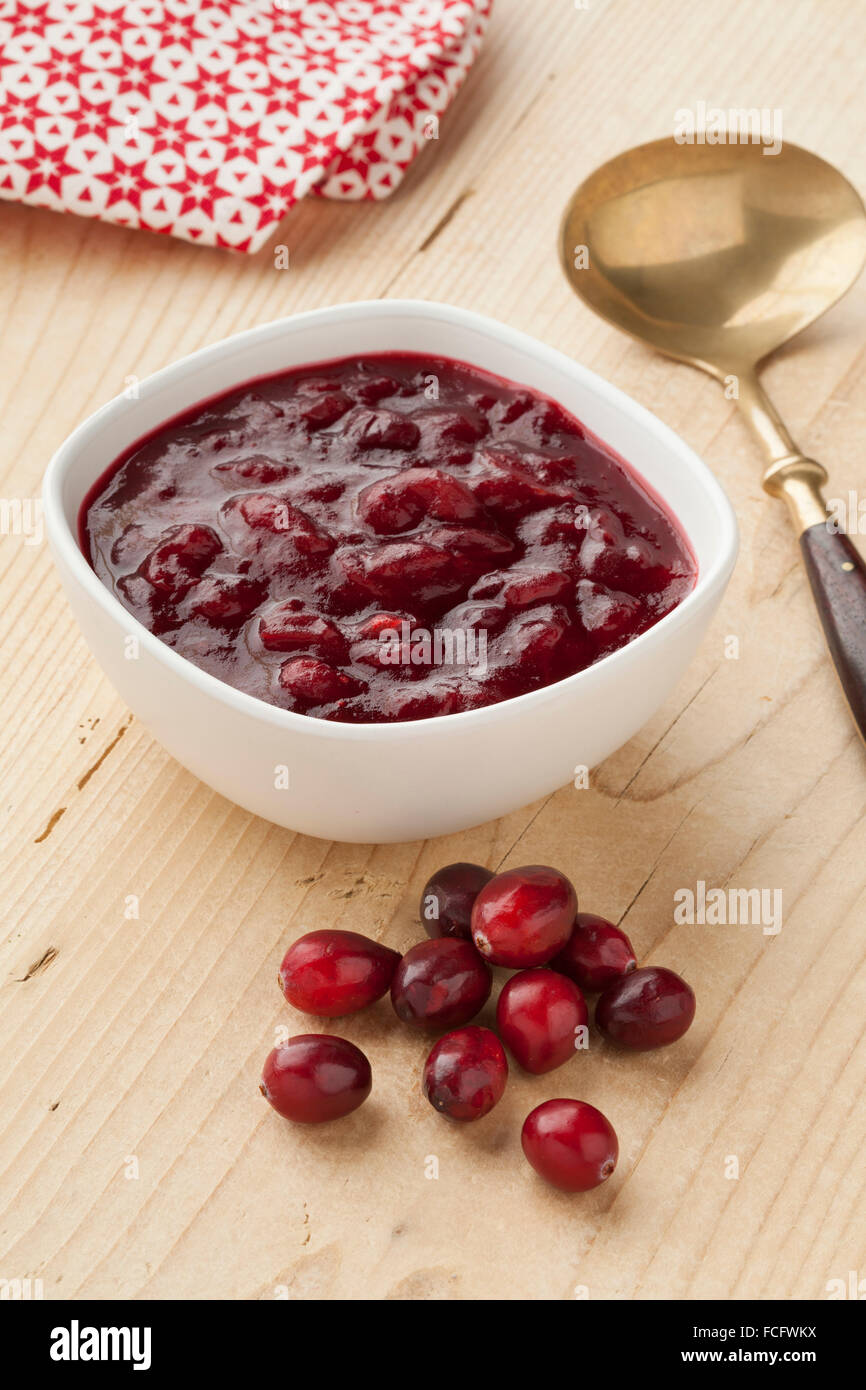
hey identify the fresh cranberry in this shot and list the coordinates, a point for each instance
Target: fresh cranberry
(465, 1073)
(331, 973)
(314, 1077)
(596, 953)
(570, 1144)
(440, 984)
(446, 903)
(524, 916)
(538, 1016)
(647, 1008)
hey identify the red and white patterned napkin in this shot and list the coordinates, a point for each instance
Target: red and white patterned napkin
(209, 119)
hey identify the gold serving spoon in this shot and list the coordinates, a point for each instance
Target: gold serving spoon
(716, 255)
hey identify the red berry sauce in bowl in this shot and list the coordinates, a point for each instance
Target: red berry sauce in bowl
(384, 539)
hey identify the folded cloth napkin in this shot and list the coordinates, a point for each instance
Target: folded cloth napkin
(209, 119)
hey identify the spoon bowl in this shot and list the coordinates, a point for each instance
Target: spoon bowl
(714, 254)
(717, 254)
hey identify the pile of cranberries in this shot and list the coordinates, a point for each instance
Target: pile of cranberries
(526, 920)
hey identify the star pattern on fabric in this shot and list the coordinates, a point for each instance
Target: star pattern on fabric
(210, 119)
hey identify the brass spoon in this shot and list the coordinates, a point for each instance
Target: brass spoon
(716, 255)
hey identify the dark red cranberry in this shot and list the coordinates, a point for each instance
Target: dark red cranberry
(378, 623)
(570, 1144)
(538, 1016)
(401, 570)
(440, 984)
(523, 917)
(183, 553)
(257, 469)
(225, 599)
(446, 903)
(403, 499)
(596, 953)
(284, 629)
(606, 614)
(647, 1008)
(316, 681)
(314, 1077)
(383, 429)
(264, 511)
(331, 973)
(324, 411)
(465, 1073)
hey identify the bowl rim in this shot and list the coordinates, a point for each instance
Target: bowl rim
(64, 541)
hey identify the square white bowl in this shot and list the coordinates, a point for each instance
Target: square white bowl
(390, 782)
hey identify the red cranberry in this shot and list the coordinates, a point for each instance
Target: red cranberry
(647, 1008)
(314, 1077)
(402, 499)
(465, 1073)
(525, 587)
(538, 1015)
(264, 511)
(183, 553)
(331, 973)
(256, 469)
(440, 984)
(383, 429)
(378, 623)
(596, 954)
(316, 681)
(326, 410)
(605, 613)
(284, 629)
(570, 1144)
(524, 916)
(400, 570)
(226, 600)
(446, 903)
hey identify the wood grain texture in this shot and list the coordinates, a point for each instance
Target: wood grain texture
(134, 1044)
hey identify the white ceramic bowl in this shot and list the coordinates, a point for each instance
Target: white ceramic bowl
(387, 782)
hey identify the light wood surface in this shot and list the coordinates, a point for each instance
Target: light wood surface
(137, 1157)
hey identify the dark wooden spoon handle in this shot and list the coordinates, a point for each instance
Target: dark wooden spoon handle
(837, 574)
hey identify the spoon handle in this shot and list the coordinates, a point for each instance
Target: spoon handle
(837, 574)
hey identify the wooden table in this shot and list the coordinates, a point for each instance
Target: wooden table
(144, 916)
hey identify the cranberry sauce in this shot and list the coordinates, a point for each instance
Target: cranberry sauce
(384, 539)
